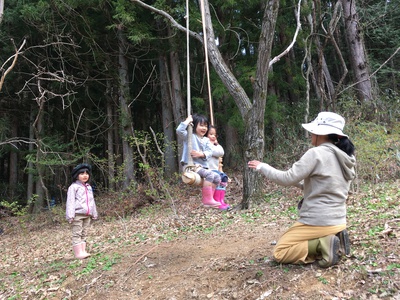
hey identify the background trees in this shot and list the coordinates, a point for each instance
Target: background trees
(105, 82)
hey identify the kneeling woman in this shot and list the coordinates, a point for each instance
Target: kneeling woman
(324, 173)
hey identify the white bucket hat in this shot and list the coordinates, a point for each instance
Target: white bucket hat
(326, 123)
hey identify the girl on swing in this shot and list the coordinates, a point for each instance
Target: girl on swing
(200, 153)
(215, 164)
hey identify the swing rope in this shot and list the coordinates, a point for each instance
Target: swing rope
(203, 19)
(189, 108)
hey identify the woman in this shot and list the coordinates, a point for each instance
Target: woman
(324, 173)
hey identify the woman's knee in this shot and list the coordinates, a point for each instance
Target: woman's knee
(278, 255)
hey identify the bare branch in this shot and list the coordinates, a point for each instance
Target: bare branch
(17, 52)
(170, 18)
(144, 85)
(373, 74)
(15, 140)
(278, 57)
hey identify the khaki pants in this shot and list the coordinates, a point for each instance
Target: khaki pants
(80, 226)
(292, 247)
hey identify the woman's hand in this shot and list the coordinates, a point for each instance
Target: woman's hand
(253, 164)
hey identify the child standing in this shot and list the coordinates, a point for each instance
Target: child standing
(81, 208)
(200, 153)
(214, 164)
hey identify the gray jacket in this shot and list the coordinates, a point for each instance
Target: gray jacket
(325, 173)
(80, 200)
(202, 144)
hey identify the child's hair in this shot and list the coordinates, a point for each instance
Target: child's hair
(343, 143)
(79, 169)
(212, 127)
(200, 119)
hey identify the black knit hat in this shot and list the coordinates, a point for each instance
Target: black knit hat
(81, 168)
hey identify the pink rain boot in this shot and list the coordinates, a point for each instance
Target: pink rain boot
(83, 247)
(78, 251)
(219, 196)
(208, 200)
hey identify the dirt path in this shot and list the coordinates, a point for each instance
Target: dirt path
(190, 253)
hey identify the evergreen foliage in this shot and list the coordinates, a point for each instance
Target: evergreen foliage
(65, 85)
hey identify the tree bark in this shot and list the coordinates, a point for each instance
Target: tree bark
(170, 158)
(110, 139)
(41, 189)
(254, 130)
(1, 10)
(177, 102)
(30, 184)
(13, 168)
(358, 57)
(125, 113)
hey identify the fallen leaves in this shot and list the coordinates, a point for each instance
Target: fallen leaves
(188, 252)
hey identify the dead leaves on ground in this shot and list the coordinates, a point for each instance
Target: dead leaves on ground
(39, 264)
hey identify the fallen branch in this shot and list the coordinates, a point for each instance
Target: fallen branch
(140, 258)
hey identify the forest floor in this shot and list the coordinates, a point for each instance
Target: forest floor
(179, 250)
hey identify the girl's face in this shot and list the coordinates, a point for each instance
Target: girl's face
(212, 135)
(84, 177)
(201, 129)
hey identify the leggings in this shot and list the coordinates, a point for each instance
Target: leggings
(209, 175)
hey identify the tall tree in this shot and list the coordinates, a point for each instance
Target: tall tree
(125, 112)
(380, 20)
(358, 57)
(251, 110)
(171, 164)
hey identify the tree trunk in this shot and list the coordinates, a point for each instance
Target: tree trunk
(13, 168)
(1, 10)
(29, 191)
(41, 189)
(178, 107)
(358, 57)
(252, 113)
(110, 139)
(125, 113)
(170, 158)
(254, 134)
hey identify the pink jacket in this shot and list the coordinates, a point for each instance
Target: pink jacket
(80, 200)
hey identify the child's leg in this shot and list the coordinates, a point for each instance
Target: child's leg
(85, 228)
(77, 233)
(207, 190)
(220, 191)
(77, 228)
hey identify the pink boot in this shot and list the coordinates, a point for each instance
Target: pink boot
(219, 196)
(83, 247)
(208, 200)
(79, 254)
